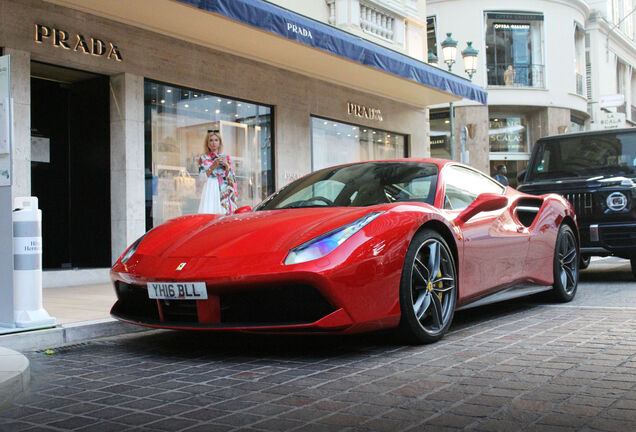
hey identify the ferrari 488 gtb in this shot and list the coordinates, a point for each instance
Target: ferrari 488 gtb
(372, 245)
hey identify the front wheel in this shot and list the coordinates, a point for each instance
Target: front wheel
(428, 288)
(566, 265)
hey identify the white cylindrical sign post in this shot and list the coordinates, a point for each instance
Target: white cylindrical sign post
(27, 265)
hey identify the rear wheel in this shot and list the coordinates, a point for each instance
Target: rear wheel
(566, 265)
(428, 288)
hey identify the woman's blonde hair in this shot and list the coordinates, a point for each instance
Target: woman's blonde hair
(206, 149)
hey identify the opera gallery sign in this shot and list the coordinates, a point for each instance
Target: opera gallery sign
(76, 42)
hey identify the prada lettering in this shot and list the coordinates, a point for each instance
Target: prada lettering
(364, 111)
(299, 30)
(62, 39)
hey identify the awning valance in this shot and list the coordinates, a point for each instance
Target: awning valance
(282, 22)
(267, 33)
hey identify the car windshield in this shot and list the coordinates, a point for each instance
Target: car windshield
(585, 156)
(359, 185)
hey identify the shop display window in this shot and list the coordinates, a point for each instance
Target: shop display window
(514, 49)
(335, 143)
(440, 134)
(508, 134)
(177, 122)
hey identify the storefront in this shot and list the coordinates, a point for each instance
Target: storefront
(114, 115)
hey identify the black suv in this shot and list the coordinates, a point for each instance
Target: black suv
(596, 172)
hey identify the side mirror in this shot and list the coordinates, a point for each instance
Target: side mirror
(244, 209)
(485, 202)
(521, 176)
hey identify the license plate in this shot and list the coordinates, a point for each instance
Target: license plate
(177, 290)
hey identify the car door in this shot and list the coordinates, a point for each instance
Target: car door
(494, 246)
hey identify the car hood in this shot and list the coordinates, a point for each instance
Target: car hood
(248, 233)
(575, 183)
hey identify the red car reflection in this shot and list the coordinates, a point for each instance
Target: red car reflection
(353, 248)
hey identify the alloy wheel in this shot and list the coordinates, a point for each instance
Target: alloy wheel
(433, 285)
(568, 262)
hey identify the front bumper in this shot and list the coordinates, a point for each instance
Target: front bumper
(275, 308)
(609, 239)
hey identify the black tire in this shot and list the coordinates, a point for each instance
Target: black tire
(633, 262)
(427, 297)
(584, 262)
(566, 265)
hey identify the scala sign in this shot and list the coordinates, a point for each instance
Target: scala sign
(612, 120)
(62, 39)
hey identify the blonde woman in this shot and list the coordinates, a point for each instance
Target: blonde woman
(219, 192)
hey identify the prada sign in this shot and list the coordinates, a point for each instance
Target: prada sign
(364, 112)
(62, 39)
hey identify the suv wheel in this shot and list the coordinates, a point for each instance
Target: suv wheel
(584, 262)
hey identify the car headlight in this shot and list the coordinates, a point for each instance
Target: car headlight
(322, 245)
(131, 250)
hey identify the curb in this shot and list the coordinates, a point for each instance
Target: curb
(66, 333)
(15, 374)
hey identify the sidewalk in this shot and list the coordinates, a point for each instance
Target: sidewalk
(79, 303)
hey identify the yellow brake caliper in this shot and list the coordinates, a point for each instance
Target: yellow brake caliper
(440, 284)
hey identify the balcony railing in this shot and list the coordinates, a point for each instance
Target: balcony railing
(377, 22)
(516, 76)
(580, 87)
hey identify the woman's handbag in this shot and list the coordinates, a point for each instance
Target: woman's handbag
(185, 185)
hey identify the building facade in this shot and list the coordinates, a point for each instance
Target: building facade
(532, 60)
(610, 61)
(112, 101)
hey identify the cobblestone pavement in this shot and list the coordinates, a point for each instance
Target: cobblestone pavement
(521, 365)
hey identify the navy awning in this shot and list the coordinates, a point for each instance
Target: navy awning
(282, 22)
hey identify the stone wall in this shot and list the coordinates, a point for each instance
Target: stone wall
(547, 121)
(476, 119)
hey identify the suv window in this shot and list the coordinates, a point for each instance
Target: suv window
(464, 185)
(591, 155)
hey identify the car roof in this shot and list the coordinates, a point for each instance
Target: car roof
(434, 161)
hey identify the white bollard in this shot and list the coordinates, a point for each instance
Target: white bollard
(27, 265)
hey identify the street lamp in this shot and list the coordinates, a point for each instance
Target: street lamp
(449, 50)
(470, 60)
(432, 59)
(469, 55)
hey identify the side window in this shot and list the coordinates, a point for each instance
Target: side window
(463, 186)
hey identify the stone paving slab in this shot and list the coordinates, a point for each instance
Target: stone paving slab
(513, 366)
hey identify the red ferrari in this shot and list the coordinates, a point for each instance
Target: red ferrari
(358, 247)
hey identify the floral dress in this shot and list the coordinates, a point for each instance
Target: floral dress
(224, 180)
